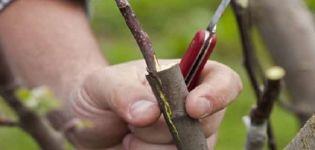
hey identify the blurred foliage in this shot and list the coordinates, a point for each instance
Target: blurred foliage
(40, 99)
(171, 25)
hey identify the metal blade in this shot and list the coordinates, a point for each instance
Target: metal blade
(217, 15)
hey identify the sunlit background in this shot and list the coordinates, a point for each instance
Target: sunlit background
(171, 25)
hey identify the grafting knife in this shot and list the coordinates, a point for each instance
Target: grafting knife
(200, 49)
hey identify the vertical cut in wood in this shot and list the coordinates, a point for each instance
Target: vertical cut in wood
(170, 89)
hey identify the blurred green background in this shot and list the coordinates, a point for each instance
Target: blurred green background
(171, 25)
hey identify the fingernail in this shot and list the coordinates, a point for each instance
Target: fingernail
(139, 108)
(204, 106)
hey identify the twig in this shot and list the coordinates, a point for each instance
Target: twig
(169, 88)
(38, 127)
(139, 35)
(242, 15)
(261, 113)
(250, 61)
(272, 89)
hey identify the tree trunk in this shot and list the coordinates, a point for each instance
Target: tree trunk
(305, 139)
(288, 30)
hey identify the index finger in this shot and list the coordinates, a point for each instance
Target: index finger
(219, 85)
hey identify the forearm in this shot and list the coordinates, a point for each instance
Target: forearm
(49, 43)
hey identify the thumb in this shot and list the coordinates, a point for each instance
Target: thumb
(124, 90)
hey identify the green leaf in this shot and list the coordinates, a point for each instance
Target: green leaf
(40, 99)
(23, 94)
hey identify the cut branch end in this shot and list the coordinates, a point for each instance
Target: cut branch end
(275, 73)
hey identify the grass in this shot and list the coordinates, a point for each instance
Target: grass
(171, 25)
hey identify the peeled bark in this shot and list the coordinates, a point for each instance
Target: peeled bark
(288, 31)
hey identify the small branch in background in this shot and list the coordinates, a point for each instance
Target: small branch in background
(277, 22)
(305, 139)
(35, 125)
(38, 127)
(8, 122)
(260, 115)
(242, 14)
(271, 91)
(169, 88)
(139, 35)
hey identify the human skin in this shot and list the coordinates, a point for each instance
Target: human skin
(50, 43)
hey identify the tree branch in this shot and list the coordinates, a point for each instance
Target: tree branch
(169, 88)
(139, 35)
(261, 113)
(242, 14)
(271, 91)
(38, 127)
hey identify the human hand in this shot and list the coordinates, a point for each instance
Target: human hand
(125, 114)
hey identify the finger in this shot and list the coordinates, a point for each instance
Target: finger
(211, 141)
(124, 90)
(219, 86)
(210, 124)
(133, 143)
(116, 147)
(157, 133)
(96, 136)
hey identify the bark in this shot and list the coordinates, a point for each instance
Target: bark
(139, 35)
(305, 139)
(170, 89)
(287, 29)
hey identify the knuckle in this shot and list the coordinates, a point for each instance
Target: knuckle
(233, 80)
(237, 81)
(210, 124)
(218, 100)
(134, 143)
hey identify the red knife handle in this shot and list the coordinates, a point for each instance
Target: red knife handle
(196, 57)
